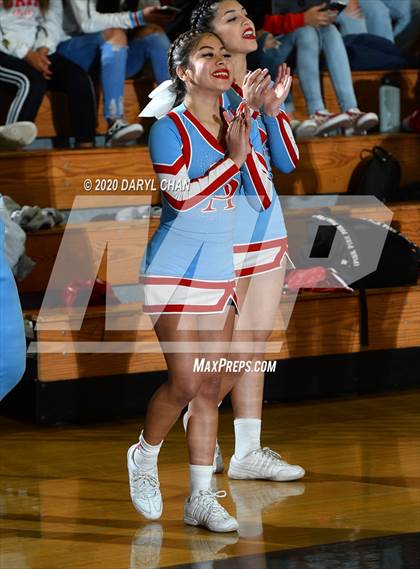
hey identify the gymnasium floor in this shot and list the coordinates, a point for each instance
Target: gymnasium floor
(64, 500)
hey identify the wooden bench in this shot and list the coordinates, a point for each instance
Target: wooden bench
(321, 324)
(53, 117)
(54, 178)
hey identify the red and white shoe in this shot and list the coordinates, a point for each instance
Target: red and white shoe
(327, 122)
(360, 122)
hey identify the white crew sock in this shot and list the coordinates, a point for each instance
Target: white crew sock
(247, 436)
(200, 477)
(146, 455)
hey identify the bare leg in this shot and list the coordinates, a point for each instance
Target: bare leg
(259, 298)
(203, 409)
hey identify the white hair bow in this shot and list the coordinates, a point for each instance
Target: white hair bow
(163, 100)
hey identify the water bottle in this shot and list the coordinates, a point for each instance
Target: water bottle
(389, 105)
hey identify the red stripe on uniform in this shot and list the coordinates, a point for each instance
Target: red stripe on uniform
(186, 144)
(220, 181)
(258, 183)
(289, 145)
(261, 246)
(169, 168)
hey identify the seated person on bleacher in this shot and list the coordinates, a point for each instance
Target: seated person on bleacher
(305, 27)
(103, 34)
(29, 65)
(395, 20)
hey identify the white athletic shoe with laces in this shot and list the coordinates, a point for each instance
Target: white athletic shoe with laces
(144, 488)
(327, 122)
(360, 122)
(121, 132)
(203, 509)
(265, 464)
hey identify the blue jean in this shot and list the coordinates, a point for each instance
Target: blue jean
(309, 44)
(397, 20)
(351, 26)
(118, 63)
(12, 335)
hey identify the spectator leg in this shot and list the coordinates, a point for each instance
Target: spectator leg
(152, 47)
(377, 18)
(351, 25)
(338, 66)
(30, 88)
(406, 17)
(76, 83)
(307, 64)
(114, 52)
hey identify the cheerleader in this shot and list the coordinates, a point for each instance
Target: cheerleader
(260, 241)
(187, 273)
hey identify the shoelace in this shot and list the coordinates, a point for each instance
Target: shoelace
(145, 483)
(210, 501)
(270, 455)
(118, 124)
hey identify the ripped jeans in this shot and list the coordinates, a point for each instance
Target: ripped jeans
(118, 63)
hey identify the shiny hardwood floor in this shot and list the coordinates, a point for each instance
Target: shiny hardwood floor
(64, 498)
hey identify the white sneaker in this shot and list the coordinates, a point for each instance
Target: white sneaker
(217, 460)
(264, 463)
(360, 122)
(144, 488)
(121, 132)
(305, 129)
(17, 135)
(203, 509)
(327, 121)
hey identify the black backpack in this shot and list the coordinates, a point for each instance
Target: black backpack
(378, 174)
(354, 252)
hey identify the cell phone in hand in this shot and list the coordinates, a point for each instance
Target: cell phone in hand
(336, 6)
(169, 10)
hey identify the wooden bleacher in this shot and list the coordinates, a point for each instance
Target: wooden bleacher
(54, 178)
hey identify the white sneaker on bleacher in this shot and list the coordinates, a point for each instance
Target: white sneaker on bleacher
(327, 122)
(203, 509)
(17, 135)
(144, 488)
(264, 464)
(361, 122)
(121, 132)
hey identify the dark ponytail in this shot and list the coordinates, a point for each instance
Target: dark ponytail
(179, 56)
(203, 15)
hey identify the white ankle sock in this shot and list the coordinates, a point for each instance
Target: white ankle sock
(247, 436)
(200, 477)
(146, 455)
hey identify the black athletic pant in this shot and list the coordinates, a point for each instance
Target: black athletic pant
(67, 77)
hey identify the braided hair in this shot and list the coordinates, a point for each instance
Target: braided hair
(203, 14)
(179, 56)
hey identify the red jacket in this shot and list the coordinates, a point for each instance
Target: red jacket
(279, 24)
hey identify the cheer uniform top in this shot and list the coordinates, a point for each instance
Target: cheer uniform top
(260, 239)
(188, 265)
